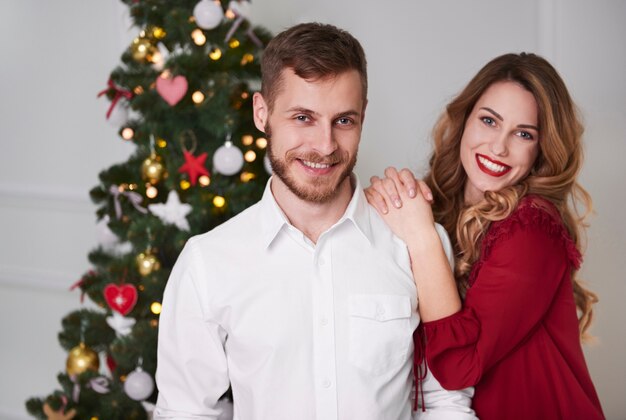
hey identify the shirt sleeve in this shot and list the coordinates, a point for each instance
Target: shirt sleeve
(508, 299)
(192, 372)
(439, 403)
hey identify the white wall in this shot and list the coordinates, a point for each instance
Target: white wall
(57, 55)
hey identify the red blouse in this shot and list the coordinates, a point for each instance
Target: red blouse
(516, 339)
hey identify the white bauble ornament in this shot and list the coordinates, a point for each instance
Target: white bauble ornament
(208, 14)
(266, 163)
(138, 385)
(119, 114)
(228, 159)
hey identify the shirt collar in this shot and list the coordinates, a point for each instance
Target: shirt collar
(273, 218)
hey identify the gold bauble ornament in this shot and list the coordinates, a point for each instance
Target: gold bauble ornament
(81, 359)
(143, 49)
(147, 263)
(152, 169)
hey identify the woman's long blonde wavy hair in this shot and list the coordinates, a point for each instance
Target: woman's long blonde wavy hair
(553, 176)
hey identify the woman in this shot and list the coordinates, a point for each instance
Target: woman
(507, 152)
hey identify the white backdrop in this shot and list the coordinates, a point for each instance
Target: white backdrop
(57, 55)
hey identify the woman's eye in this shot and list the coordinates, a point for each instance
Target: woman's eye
(488, 120)
(525, 135)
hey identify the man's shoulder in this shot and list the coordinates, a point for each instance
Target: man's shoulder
(238, 228)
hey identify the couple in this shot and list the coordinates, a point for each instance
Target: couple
(306, 304)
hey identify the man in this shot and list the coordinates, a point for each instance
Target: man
(304, 303)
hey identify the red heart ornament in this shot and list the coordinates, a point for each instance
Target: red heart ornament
(172, 90)
(121, 298)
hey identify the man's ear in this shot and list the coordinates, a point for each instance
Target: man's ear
(259, 111)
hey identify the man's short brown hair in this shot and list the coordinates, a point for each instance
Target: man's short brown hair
(313, 51)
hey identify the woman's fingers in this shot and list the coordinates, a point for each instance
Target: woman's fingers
(408, 181)
(375, 198)
(392, 192)
(393, 184)
(426, 192)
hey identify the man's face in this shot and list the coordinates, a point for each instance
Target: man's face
(314, 131)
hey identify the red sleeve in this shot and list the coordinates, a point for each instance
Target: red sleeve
(512, 291)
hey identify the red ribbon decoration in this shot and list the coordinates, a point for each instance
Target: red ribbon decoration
(80, 283)
(119, 93)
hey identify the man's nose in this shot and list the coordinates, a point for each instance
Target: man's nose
(325, 142)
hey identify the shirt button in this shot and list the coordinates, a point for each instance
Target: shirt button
(321, 261)
(324, 321)
(326, 383)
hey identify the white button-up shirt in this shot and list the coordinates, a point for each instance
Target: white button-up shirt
(301, 331)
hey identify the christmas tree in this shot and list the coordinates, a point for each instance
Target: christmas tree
(183, 95)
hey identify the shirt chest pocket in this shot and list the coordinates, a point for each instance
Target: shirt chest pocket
(380, 331)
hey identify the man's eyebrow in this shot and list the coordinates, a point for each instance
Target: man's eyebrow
(349, 113)
(301, 109)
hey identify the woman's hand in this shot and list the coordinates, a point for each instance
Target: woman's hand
(385, 192)
(403, 202)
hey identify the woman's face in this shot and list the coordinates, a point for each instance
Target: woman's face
(501, 139)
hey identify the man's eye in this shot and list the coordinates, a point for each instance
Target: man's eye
(344, 121)
(303, 118)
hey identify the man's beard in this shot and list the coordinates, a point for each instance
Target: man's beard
(318, 191)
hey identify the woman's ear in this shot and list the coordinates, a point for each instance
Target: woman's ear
(259, 111)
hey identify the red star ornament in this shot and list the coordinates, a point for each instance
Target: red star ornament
(194, 166)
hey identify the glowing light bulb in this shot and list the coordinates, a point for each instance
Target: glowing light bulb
(245, 95)
(138, 90)
(247, 58)
(247, 140)
(261, 143)
(219, 201)
(215, 54)
(247, 176)
(155, 308)
(184, 184)
(234, 43)
(197, 97)
(151, 191)
(198, 37)
(230, 14)
(162, 143)
(204, 180)
(158, 32)
(128, 133)
(250, 156)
